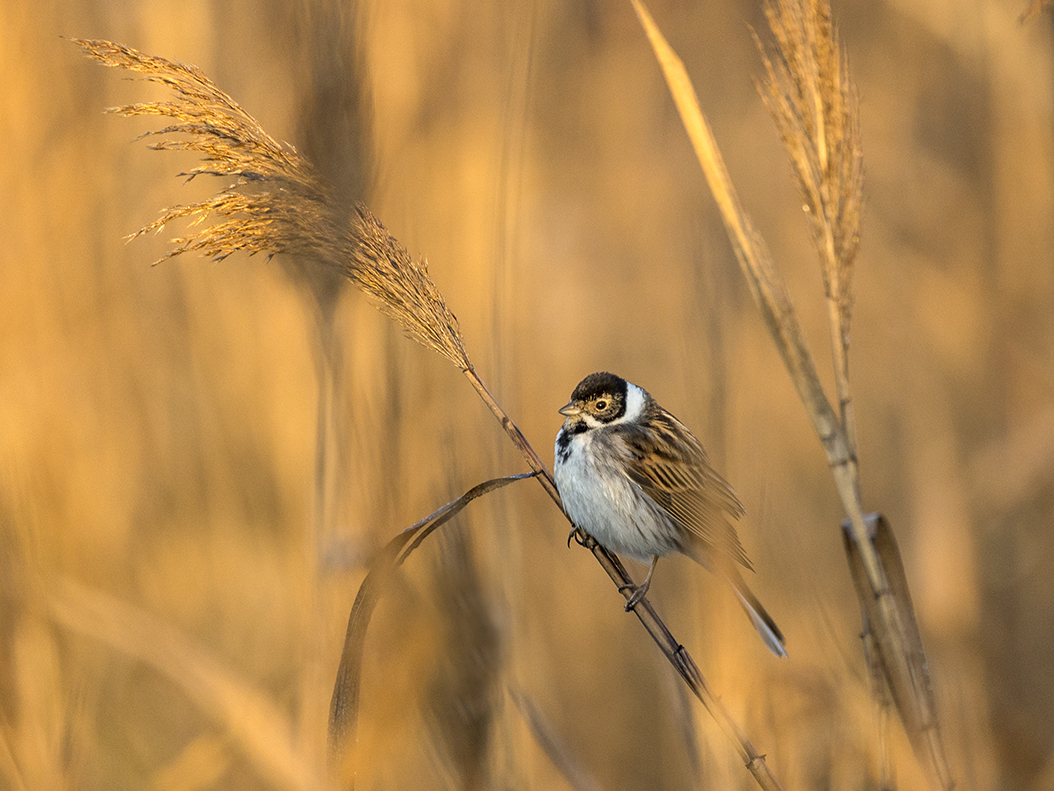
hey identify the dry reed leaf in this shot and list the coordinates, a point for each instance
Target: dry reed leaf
(344, 708)
(912, 694)
(277, 202)
(255, 723)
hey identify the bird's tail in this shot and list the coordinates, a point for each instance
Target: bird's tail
(762, 621)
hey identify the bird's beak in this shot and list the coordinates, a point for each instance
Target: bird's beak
(570, 410)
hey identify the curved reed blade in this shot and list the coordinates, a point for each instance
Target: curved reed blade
(344, 708)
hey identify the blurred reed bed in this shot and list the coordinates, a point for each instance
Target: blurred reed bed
(278, 204)
(158, 425)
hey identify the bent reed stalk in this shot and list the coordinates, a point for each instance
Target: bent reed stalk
(813, 101)
(278, 203)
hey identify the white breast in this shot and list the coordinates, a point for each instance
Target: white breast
(601, 500)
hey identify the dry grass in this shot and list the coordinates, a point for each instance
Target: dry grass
(157, 425)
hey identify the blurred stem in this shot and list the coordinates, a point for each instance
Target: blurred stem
(256, 725)
(553, 744)
(677, 654)
(329, 359)
(881, 703)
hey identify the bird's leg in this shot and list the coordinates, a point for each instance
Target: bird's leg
(639, 591)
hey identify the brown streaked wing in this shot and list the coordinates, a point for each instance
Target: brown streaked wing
(670, 465)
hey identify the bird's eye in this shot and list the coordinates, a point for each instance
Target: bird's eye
(601, 405)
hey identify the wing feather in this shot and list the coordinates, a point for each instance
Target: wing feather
(670, 466)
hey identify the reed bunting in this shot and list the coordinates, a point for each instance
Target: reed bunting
(633, 477)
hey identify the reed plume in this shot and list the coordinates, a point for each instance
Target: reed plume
(816, 109)
(287, 209)
(403, 289)
(277, 202)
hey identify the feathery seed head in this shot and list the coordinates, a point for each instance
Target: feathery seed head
(277, 203)
(814, 103)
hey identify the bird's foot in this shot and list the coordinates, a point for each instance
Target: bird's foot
(639, 592)
(578, 536)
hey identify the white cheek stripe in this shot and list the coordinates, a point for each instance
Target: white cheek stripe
(635, 400)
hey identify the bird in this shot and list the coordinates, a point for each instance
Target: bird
(633, 477)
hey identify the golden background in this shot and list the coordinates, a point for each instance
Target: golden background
(177, 560)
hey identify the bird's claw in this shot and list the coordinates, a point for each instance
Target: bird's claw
(578, 536)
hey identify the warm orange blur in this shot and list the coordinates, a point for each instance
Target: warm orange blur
(176, 574)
